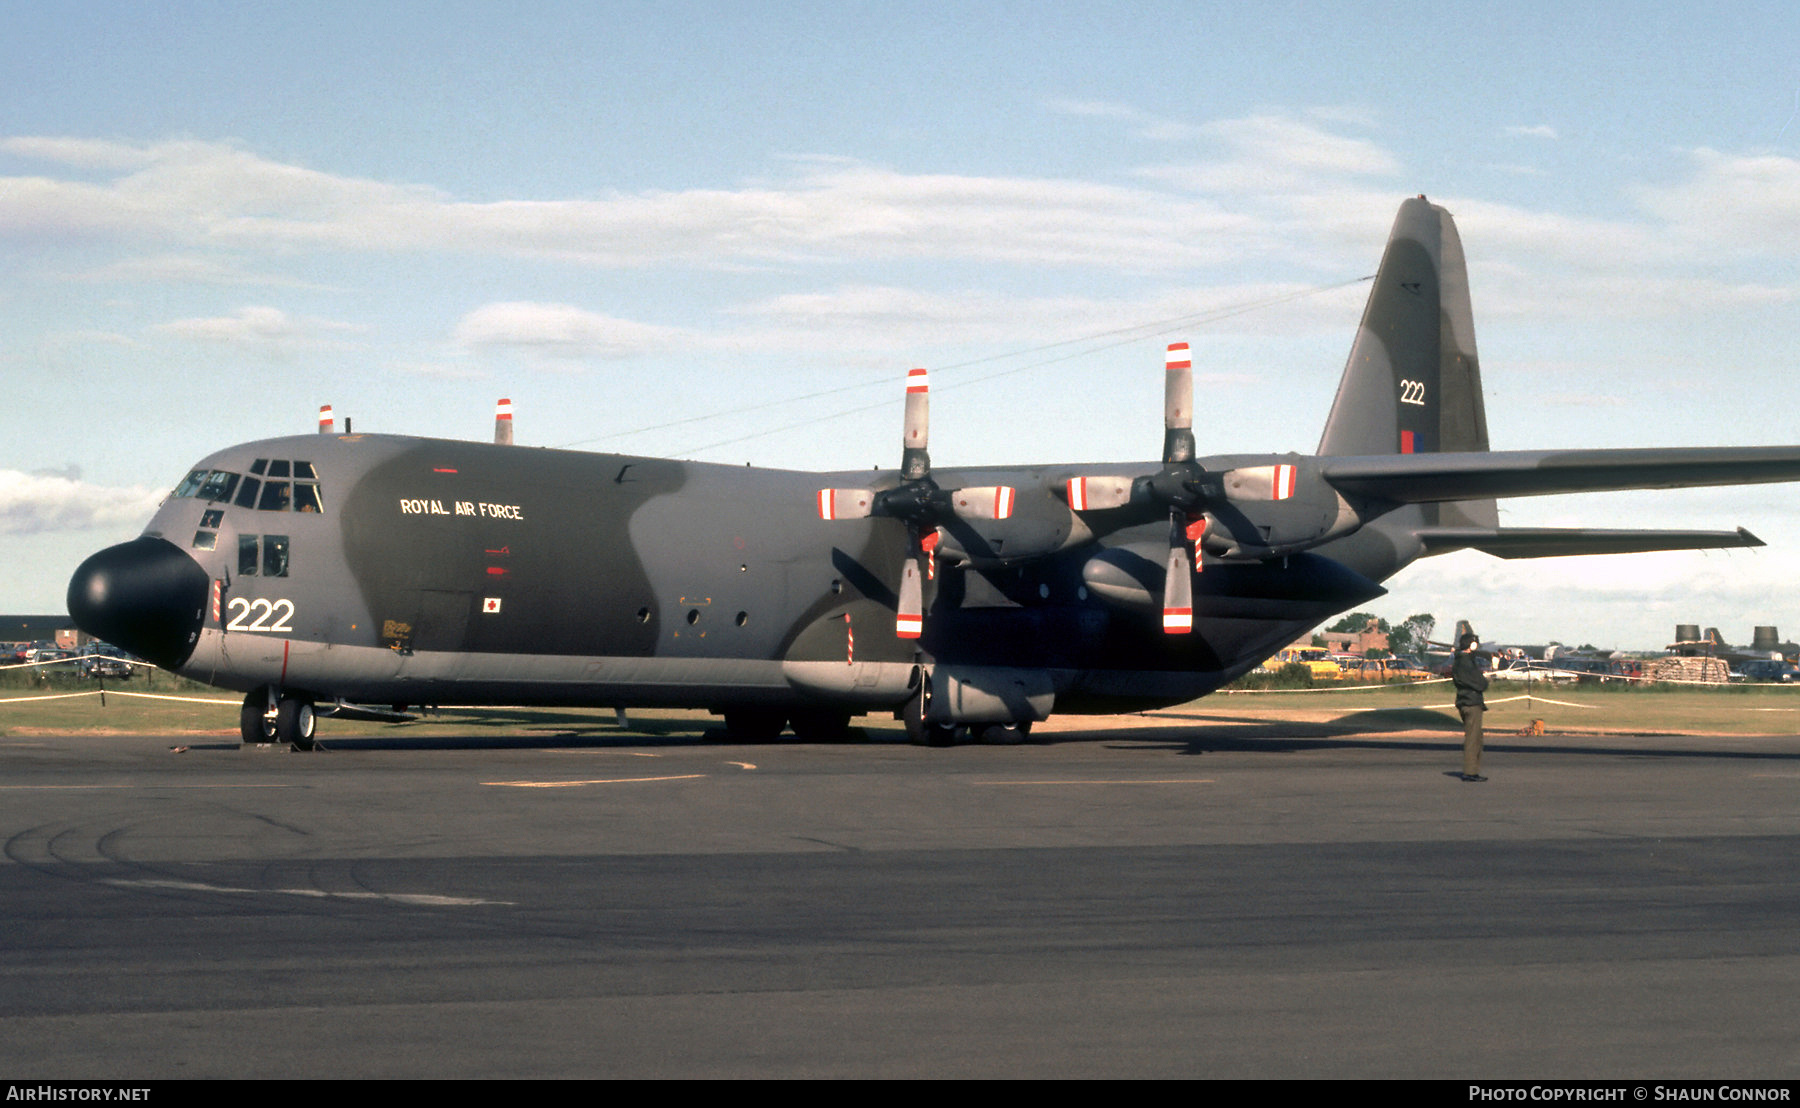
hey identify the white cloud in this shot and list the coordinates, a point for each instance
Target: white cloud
(1539, 131)
(1144, 125)
(1749, 203)
(871, 317)
(214, 195)
(189, 269)
(34, 503)
(559, 332)
(440, 371)
(78, 152)
(1272, 153)
(260, 327)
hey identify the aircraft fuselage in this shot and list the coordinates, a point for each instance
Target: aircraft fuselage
(429, 571)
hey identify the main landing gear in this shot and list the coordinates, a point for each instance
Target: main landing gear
(265, 718)
(922, 731)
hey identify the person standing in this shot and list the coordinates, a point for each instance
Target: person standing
(1470, 682)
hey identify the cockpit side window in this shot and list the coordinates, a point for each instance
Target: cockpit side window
(191, 484)
(275, 555)
(274, 497)
(246, 497)
(219, 485)
(247, 556)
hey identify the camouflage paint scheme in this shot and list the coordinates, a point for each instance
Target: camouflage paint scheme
(446, 572)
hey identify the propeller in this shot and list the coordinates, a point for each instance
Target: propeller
(503, 422)
(1191, 493)
(919, 503)
(1180, 485)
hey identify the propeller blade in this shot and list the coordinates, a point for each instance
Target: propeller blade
(909, 619)
(1195, 531)
(503, 429)
(1178, 405)
(846, 503)
(915, 463)
(1274, 482)
(1178, 582)
(1098, 493)
(984, 502)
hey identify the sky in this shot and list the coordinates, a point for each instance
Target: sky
(724, 232)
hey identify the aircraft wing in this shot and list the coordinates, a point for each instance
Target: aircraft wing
(1475, 475)
(1553, 542)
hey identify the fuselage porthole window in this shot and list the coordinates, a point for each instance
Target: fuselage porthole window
(205, 540)
(212, 517)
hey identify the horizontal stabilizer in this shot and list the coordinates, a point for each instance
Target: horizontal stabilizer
(1557, 542)
(1428, 478)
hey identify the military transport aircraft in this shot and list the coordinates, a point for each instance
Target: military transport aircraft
(343, 573)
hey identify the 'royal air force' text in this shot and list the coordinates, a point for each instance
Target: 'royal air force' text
(477, 508)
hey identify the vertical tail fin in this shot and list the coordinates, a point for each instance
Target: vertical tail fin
(1413, 381)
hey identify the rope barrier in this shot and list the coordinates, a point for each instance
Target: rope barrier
(115, 692)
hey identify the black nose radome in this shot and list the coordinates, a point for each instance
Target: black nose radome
(146, 595)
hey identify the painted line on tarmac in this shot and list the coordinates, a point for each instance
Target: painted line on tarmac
(428, 900)
(575, 784)
(244, 785)
(1113, 781)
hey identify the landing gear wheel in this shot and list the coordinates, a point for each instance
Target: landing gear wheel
(294, 722)
(820, 726)
(254, 724)
(1005, 734)
(754, 725)
(919, 730)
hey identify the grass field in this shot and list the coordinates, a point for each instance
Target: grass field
(138, 707)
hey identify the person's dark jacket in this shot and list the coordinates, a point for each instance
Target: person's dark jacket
(1470, 681)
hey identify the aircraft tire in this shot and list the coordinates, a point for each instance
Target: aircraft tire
(1005, 734)
(294, 722)
(754, 725)
(921, 731)
(254, 726)
(820, 726)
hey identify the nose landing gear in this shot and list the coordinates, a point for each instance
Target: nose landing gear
(267, 718)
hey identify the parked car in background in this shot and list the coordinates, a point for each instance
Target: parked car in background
(1315, 658)
(1587, 671)
(104, 660)
(1383, 669)
(1524, 669)
(45, 658)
